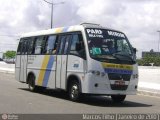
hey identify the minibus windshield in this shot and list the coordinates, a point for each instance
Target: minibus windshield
(108, 44)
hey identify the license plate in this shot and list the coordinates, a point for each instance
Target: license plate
(119, 82)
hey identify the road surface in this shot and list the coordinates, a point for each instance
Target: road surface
(15, 98)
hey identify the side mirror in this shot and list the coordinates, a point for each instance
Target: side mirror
(81, 50)
(134, 50)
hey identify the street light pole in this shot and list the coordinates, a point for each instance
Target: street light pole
(52, 15)
(51, 3)
(159, 39)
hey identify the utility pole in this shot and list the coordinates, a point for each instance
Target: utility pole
(52, 4)
(158, 41)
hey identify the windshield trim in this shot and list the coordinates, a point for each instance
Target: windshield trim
(130, 46)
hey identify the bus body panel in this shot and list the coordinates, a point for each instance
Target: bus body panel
(76, 66)
(43, 67)
(17, 67)
(23, 68)
(61, 71)
(58, 71)
(53, 70)
(104, 84)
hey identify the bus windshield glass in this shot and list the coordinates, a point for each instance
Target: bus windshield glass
(108, 44)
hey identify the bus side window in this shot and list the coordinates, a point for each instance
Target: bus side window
(19, 50)
(68, 38)
(61, 43)
(51, 45)
(30, 46)
(39, 45)
(77, 46)
(24, 46)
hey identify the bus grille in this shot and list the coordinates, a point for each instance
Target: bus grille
(115, 76)
(119, 87)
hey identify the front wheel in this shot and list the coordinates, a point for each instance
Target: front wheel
(74, 91)
(118, 98)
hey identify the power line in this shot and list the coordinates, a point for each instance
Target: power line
(159, 40)
(47, 2)
(10, 35)
(52, 4)
(3, 44)
(8, 45)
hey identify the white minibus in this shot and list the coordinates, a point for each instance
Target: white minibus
(81, 59)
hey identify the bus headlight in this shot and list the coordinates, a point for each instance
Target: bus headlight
(135, 76)
(92, 71)
(98, 73)
(103, 74)
(95, 72)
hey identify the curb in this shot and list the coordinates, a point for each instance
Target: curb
(7, 72)
(141, 90)
(149, 92)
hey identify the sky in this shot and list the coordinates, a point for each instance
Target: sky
(138, 19)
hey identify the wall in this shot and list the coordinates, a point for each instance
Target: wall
(149, 77)
(1, 54)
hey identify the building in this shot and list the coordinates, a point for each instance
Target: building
(1, 55)
(151, 53)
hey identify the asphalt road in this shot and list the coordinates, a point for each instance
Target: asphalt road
(15, 98)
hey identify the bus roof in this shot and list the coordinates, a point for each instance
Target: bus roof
(63, 29)
(53, 31)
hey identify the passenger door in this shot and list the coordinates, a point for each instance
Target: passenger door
(18, 61)
(23, 60)
(62, 57)
(77, 63)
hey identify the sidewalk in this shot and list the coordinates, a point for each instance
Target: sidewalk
(149, 78)
(146, 88)
(7, 68)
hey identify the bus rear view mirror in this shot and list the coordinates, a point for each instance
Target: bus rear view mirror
(78, 47)
(134, 50)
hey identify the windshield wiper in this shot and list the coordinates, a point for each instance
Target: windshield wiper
(108, 57)
(115, 55)
(105, 59)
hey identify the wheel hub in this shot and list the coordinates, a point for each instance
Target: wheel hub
(74, 91)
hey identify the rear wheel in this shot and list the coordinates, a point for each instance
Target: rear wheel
(118, 98)
(74, 91)
(31, 83)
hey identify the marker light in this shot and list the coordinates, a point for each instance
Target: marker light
(98, 73)
(135, 76)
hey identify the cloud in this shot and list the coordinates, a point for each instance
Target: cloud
(139, 19)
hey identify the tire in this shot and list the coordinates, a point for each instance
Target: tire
(118, 98)
(31, 83)
(74, 91)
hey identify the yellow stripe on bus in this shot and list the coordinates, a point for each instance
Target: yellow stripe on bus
(58, 30)
(43, 69)
(117, 66)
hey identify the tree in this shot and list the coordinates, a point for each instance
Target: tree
(148, 59)
(10, 54)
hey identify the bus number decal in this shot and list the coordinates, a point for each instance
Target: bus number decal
(95, 33)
